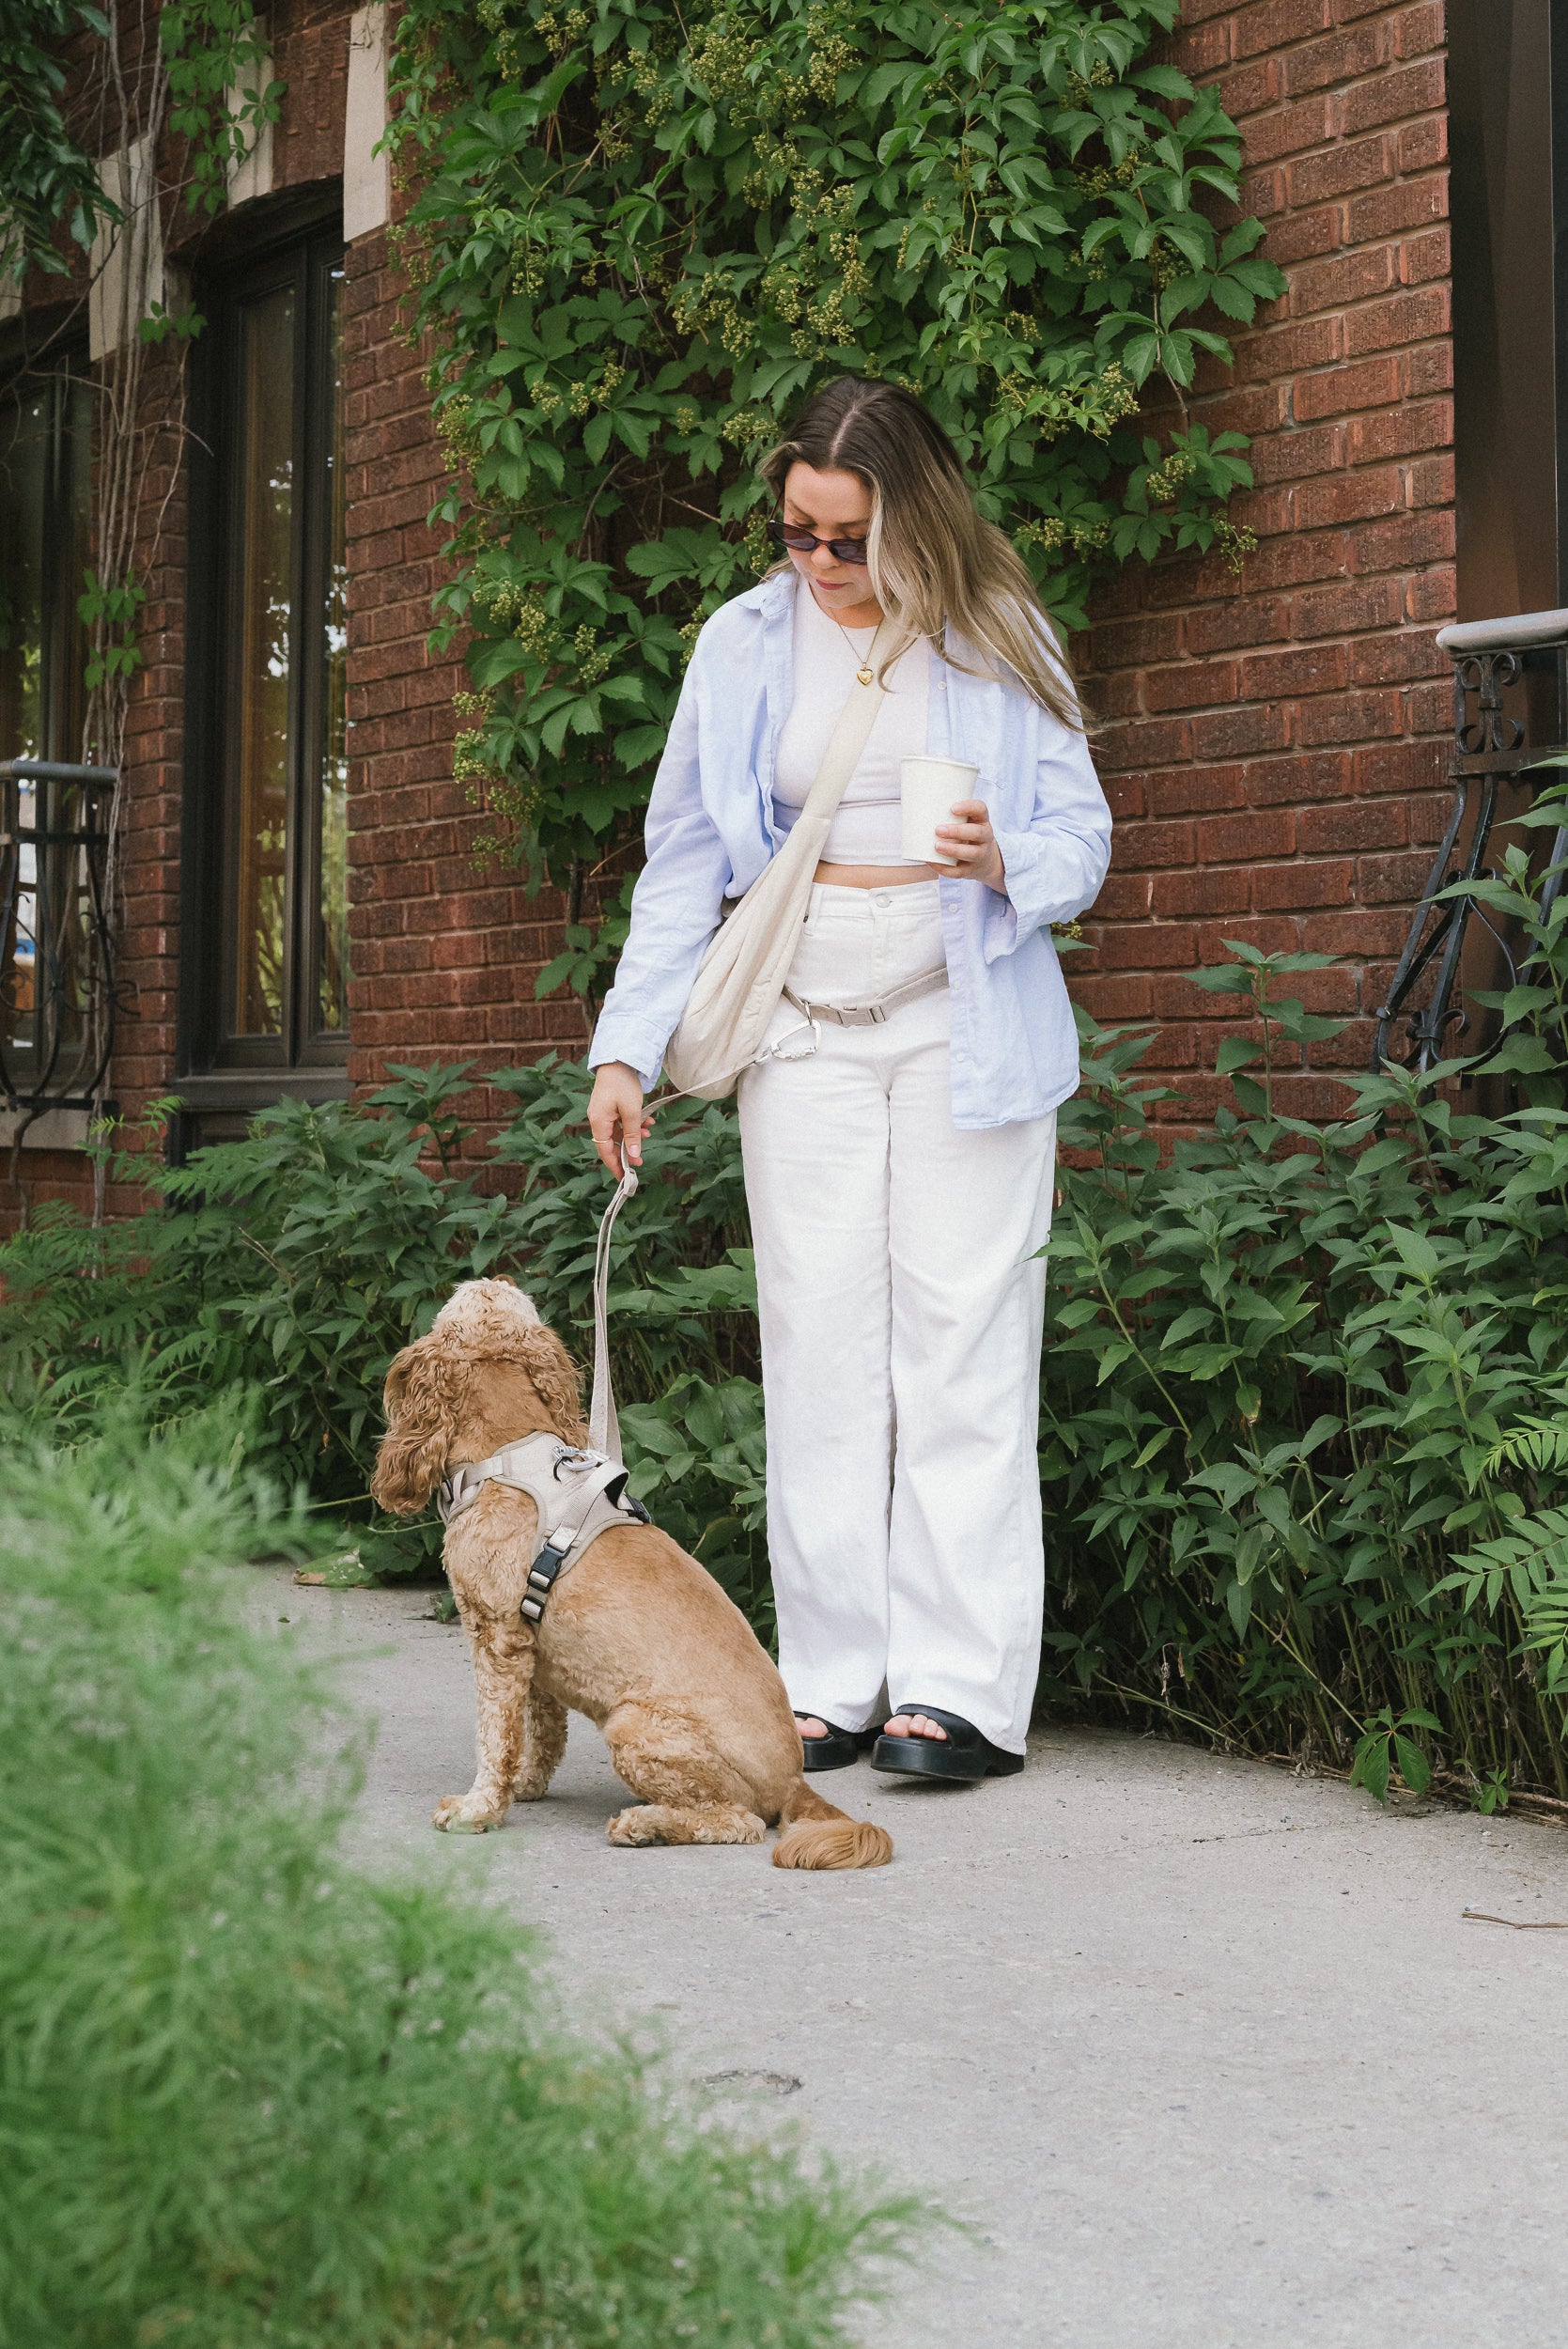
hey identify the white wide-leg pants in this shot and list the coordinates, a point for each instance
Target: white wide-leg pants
(902, 1304)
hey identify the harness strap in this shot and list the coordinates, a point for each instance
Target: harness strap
(578, 1496)
(872, 1015)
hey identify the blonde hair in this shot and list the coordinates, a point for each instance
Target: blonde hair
(933, 561)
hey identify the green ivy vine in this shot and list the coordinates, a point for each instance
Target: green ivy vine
(640, 235)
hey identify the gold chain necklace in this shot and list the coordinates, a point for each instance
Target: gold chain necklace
(864, 672)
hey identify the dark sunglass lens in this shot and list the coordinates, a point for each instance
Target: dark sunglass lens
(790, 534)
(847, 549)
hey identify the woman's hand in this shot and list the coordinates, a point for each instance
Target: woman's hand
(970, 847)
(616, 1117)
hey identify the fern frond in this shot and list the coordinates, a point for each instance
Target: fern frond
(1538, 1445)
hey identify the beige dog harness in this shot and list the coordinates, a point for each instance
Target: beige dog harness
(578, 1496)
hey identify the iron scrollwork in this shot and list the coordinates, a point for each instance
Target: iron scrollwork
(56, 949)
(1489, 754)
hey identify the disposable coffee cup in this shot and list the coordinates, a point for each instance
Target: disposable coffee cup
(929, 789)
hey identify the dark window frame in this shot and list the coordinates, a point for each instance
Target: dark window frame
(300, 246)
(61, 369)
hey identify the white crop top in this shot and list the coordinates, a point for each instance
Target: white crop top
(866, 829)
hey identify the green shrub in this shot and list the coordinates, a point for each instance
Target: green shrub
(1304, 1441)
(298, 1260)
(1289, 1371)
(249, 2096)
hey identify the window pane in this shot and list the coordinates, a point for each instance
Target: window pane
(333, 910)
(265, 551)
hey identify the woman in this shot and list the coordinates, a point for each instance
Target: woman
(899, 1172)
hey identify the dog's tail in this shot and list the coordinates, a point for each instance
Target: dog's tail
(817, 1836)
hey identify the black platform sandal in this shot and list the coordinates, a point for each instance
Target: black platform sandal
(962, 1755)
(837, 1750)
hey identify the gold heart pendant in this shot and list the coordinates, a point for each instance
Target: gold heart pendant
(865, 675)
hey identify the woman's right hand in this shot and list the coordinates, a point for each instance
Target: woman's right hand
(616, 1117)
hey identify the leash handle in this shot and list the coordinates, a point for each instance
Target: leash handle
(604, 1434)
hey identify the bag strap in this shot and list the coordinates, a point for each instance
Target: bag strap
(848, 738)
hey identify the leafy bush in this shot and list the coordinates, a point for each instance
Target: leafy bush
(1293, 1461)
(298, 1260)
(643, 235)
(248, 2094)
(1304, 1443)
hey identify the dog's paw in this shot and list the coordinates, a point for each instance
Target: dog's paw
(461, 1815)
(640, 1825)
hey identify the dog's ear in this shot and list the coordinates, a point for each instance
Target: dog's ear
(422, 1398)
(553, 1375)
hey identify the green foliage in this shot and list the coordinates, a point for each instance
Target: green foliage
(249, 2094)
(642, 236)
(45, 177)
(298, 1261)
(1304, 1437)
(109, 614)
(1301, 1486)
(221, 89)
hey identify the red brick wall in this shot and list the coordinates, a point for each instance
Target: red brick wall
(444, 954)
(1272, 744)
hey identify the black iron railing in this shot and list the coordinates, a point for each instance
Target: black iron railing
(1510, 681)
(56, 956)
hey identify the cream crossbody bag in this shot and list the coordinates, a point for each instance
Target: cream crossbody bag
(741, 976)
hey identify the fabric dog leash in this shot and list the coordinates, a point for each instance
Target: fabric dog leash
(604, 1434)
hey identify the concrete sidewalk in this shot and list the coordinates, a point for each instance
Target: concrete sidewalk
(1206, 2053)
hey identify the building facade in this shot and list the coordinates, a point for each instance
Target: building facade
(302, 901)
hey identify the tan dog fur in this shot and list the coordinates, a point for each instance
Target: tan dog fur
(638, 1636)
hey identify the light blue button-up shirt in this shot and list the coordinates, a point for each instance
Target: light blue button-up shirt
(711, 829)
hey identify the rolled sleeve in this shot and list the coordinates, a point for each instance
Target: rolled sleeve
(1056, 864)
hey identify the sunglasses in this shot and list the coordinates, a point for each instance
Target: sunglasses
(800, 541)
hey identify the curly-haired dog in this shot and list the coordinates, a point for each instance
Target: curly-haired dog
(637, 1636)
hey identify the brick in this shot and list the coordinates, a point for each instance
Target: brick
(1339, 170)
(1300, 778)
(1322, 668)
(1416, 424)
(1306, 236)
(1296, 454)
(1256, 619)
(1288, 130)
(1418, 28)
(1246, 838)
(1349, 718)
(1308, 882)
(1190, 684)
(1409, 318)
(1270, 25)
(1353, 828)
(1357, 275)
(1352, 496)
(1183, 896)
(1392, 98)
(1139, 845)
(1423, 144)
(1396, 660)
(1238, 733)
(1327, 64)
(1384, 211)
(1193, 790)
(1340, 391)
(1346, 606)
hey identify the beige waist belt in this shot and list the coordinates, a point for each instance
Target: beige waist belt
(578, 1496)
(871, 1015)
